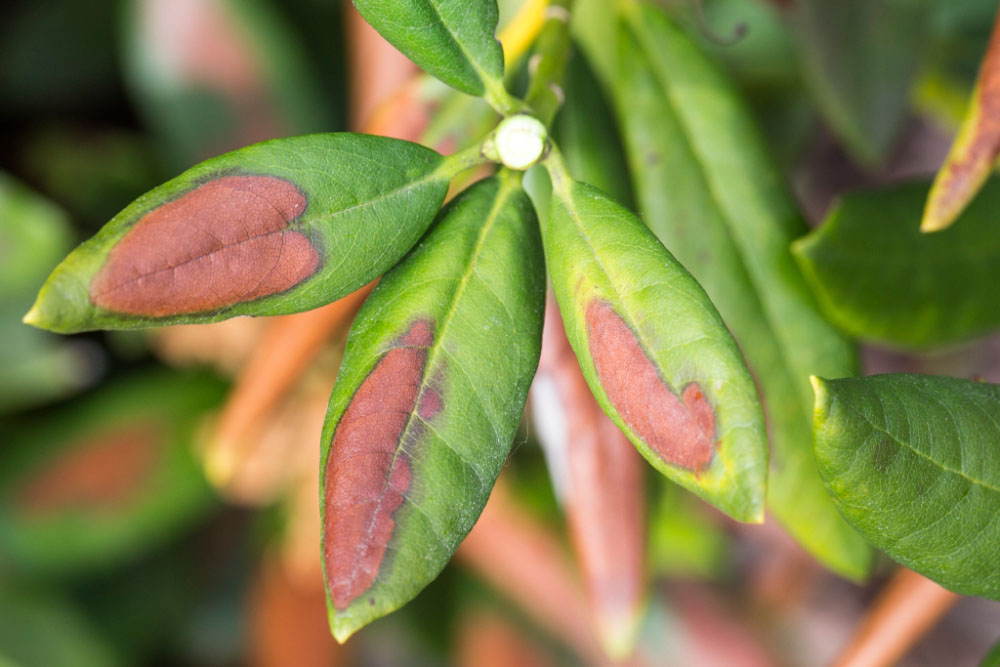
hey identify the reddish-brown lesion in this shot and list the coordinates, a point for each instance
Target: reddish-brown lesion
(977, 147)
(101, 473)
(222, 243)
(369, 471)
(681, 430)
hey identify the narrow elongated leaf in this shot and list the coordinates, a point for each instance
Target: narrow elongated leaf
(452, 39)
(711, 195)
(879, 278)
(278, 227)
(587, 135)
(654, 350)
(862, 90)
(428, 398)
(913, 462)
(975, 149)
(598, 477)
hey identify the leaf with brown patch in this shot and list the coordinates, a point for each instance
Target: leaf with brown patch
(420, 420)
(278, 227)
(653, 349)
(976, 147)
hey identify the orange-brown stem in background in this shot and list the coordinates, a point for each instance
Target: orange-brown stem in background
(487, 639)
(520, 558)
(285, 350)
(603, 497)
(287, 621)
(907, 607)
(292, 342)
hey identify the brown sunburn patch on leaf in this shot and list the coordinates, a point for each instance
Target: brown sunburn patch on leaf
(220, 244)
(680, 430)
(99, 473)
(368, 472)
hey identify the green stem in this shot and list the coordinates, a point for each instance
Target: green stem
(551, 53)
(456, 163)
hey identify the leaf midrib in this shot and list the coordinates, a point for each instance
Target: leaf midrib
(865, 418)
(505, 188)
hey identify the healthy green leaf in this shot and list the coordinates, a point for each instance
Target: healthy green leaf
(427, 402)
(278, 227)
(711, 195)
(913, 462)
(654, 350)
(104, 478)
(878, 277)
(587, 135)
(859, 58)
(451, 39)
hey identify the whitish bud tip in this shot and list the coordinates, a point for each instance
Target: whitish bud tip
(520, 141)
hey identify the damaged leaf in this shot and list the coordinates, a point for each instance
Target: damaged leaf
(655, 352)
(709, 192)
(278, 227)
(975, 150)
(427, 401)
(913, 462)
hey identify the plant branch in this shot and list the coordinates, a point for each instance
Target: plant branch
(907, 607)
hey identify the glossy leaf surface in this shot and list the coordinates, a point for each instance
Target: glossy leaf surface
(278, 227)
(913, 462)
(878, 277)
(654, 350)
(451, 39)
(710, 194)
(862, 90)
(975, 150)
(105, 478)
(429, 396)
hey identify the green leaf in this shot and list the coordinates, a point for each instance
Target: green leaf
(104, 478)
(859, 58)
(654, 350)
(710, 193)
(278, 227)
(427, 401)
(452, 39)
(587, 135)
(992, 658)
(878, 277)
(41, 628)
(912, 462)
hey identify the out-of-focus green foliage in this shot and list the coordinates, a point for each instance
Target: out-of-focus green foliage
(34, 366)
